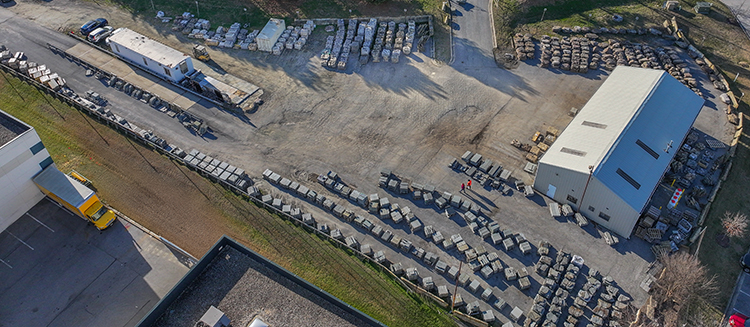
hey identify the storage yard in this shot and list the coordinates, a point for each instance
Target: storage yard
(375, 158)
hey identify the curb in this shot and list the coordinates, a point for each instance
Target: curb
(193, 260)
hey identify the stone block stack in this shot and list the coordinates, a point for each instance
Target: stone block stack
(525, 48)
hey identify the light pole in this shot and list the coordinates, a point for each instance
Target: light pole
(198, 11)
(543, 12)
(591, 172)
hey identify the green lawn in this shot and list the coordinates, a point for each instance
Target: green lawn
(113, 163)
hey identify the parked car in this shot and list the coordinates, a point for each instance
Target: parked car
(100, 33)
(92, 25)
(738, 320)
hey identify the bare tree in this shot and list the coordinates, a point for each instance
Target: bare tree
(735, 224)
(682, 281)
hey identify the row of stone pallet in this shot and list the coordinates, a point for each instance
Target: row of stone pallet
(411, 274)
(477, 258)
(559, 287)
(40, 73)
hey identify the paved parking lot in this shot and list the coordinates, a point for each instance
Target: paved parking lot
(58, 270)
(740, 301)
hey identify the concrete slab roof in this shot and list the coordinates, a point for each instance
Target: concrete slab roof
(147, 47)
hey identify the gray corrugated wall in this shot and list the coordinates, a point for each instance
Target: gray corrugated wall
(622, 216)
(568, 182)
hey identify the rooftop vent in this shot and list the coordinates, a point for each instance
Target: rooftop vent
(213, 318)
(629, 179)
(593, 124)
(647, 149)
(574, 152)
(257, 323)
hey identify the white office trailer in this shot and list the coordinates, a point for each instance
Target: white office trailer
(270, 34)
(158, 58)
(609, 160)
(22, 156)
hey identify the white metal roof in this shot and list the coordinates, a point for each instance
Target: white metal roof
(64, 187)
(147, 47)
(273, 28)
(624, 129)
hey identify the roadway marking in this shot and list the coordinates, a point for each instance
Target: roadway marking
(20, 240)
(40, 223)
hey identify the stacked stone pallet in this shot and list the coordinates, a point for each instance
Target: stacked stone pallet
(409, 38)
(638, 55)
(338, 42)
(524, 46)
(377, 46)
(367, 32)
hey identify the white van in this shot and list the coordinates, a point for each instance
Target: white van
(100, 33)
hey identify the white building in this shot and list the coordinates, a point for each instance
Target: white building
(22, 155)
(610, 159)
(270, 34)
(158, 58)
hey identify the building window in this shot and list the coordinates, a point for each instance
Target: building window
(572, 199)
(591, 209)
(166, 71)
(144, 61)
(46, 162)
(603, 216)
(116, 47)
(36, 148)
(183, 67)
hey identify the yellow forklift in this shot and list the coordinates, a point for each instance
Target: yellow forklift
(200, 53)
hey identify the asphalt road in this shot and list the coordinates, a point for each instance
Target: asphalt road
(472, 35)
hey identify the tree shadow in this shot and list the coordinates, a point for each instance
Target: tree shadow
(479, 64)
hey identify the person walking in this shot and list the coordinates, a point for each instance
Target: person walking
(468, 185)
(463, 187)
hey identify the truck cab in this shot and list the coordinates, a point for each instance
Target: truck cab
(99, 215)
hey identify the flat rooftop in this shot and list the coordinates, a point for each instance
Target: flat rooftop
(245, 285)
(10, 128)
(147, 47)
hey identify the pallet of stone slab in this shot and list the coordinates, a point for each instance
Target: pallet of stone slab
(554, 209)
(580, 219)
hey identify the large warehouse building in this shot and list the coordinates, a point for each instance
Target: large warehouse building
(610, 159)
(160, 59)
(22, 155)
